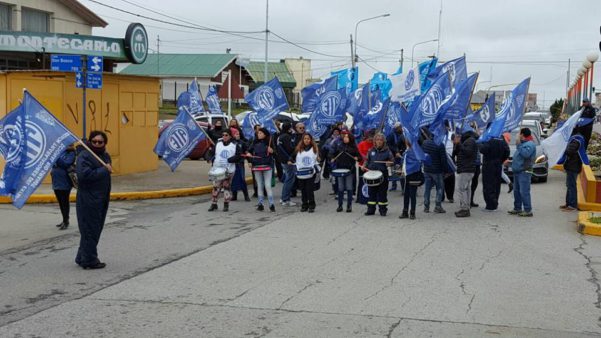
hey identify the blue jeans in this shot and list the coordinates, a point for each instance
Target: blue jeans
(289, 178)
(571, 193)
(263, 179)
(521, 191)
(438, 181)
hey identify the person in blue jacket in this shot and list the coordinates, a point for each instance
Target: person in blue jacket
(93, 195)
(521, 165)
(413, 178)
(379, 157)
(62, 185)
(261, 159)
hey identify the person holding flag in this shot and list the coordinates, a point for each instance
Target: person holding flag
(494, 153)
(93, 196)
(521, 165)
(261, 159)
(588, 112)
(227, 153)
(572, 159)
(466, 151)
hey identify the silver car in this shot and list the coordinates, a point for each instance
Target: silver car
(540, 169)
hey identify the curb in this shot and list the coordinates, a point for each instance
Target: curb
(587, 227)
(128, 196)
(582, 204)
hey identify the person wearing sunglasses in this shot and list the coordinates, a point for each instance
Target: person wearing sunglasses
(93, 195)
(227, 153)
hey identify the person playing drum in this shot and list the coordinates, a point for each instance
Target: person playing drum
(305, 158)
(261, 159)
(379, 158)
(344, 157)
(227, 153)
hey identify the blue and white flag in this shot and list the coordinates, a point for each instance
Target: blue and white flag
(412, 136)
(251, 120)
(406, 86)
(347, 78)
(457, 70)
(512, 108)
(394, 115)
(183, 100)
(425, 109)
(315, 127)
(195, 99)
(213, 101)
(268, 100)
(484, 115)
(458, 105)
(331, 107)
(380, 82)
(425, 69)
(374, 119)
(357, 106)
(178, 140)
(31, 140)
(555, 145)
(312, 93)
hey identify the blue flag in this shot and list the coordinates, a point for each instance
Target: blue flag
(331, 107)
(510, 114)
(268, 100)
(31, 140)
(183, 100)
(178, 140)
(460, 101)
(213, 101)
(347, 78)
(485, 114)
(425, 68)
(195, 98)
(457, 70)
(380, 82)
(311, 94)
(251, 120)
(394, 115)
(412, 136)
(315, 127)
(374, 119)
(425, 109)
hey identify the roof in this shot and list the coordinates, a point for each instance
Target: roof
(181, 65)
(256, 70)
(83, 11)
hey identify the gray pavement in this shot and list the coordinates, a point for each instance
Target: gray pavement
(176, 270)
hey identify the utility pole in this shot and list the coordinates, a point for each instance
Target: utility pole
(266, 38)
(159, 56)
(401, 60)
(352, 54)
(439, 22)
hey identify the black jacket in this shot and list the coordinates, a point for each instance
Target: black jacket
(588, 112)
(466, 151)
(573, 162)
(396, 143)
(344, 154)
(285, 147)
(438, 154)
(259, 148)
(380, 155)
(494, 151)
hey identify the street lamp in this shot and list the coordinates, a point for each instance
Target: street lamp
(357, 25)
(420, 43)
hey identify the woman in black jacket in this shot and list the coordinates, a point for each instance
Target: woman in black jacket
(93, 195)
(261, 158)
(379, 158)
(345, 156)
(239, 179)
(62, 185)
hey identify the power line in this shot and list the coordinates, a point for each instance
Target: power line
(304, 48)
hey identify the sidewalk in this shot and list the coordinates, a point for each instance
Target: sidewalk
(190, 178)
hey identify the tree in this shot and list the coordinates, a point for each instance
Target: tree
(555, 109)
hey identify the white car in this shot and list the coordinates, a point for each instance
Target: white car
(534, 124)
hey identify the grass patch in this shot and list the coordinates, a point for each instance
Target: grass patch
(595, 220)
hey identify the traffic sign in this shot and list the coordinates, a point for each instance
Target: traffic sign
(65, 63)
(95, 63)
(94, 81)
(79, 79)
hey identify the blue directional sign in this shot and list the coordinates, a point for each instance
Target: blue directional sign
(79, 80)
(65, 63)
(94, 81)
(95, 63)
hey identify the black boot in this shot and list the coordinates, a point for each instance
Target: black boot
(412, 215)
(339, 209)
(246, 198)
(234, 196)
(371, 210)
(226, 207)
(64, 226)
(213, 207)
(404, 214)
(383, 211)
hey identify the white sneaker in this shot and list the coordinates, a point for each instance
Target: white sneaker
(289, 204)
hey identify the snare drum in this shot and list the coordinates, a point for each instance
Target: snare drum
(305, 173)
(261, 168)
(340, 172)
(373, 178)
(217, 174)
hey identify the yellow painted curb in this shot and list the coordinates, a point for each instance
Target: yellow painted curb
(585, 226)
(128, 196)
(582, 204)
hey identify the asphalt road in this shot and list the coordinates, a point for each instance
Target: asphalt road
(176, 270)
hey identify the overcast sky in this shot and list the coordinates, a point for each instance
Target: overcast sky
(505, 41)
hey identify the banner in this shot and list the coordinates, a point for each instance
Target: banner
(268, 100)
(406, 86)
(212, 100)
(31, 140)
(179, 139)
(555, 145)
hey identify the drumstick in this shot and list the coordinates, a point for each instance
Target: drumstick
(344, 152)
(383, 162)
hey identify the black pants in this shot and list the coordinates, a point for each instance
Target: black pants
(62, 196)
(410, 197)
(475, 182)
(449, 186)
(378, 195)
(307, 187)
(279, 172)
(586, 132)
(491, 184)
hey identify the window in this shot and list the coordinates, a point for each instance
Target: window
(34, 21)
(5, 16)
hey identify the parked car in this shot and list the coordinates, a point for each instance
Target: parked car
(282, 117)
(540, 169)
(536, 116)
(534, 124)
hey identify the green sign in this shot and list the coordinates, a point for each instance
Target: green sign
(134, 48)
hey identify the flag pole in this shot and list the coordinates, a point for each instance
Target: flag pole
(92, 152)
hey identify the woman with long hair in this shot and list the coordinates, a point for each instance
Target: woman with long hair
(379, 158)
(306, 156)
(239, 179)
(261, 159)
(344, 158)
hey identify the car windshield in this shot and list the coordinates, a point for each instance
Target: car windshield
(531, 117)
(516, 132)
